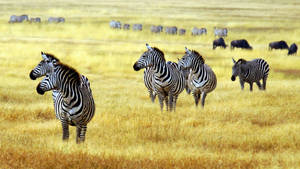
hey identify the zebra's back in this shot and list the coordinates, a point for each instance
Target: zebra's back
(259, 69)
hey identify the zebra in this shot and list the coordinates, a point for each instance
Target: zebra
(200, 31)
(14, 18)
(45, 67)
(56, 20)
(137, 27)
(182, 31)
(251, 71)
(202, 80)
(167, 81)
(221, 32)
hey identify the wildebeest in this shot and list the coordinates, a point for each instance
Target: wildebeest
(115, 24)
(137, 27)
(293, 49)
(171, 30)
(15, 19)
(278, 45)
(219, 42)
(221, 32)
(182, 31)
(37, 19)
(242, 43)
(56, 20)
(126, 26)
(200, 31)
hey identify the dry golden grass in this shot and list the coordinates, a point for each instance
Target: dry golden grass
(236, 129)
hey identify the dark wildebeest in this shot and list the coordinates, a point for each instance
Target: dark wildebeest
(242, 43)
(219, 42)
(293, 49)
(278, 45)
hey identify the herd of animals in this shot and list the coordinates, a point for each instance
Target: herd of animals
(25, 18)
(218, 32)
(73, 100)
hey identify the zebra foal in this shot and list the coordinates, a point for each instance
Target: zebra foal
(167, 81)
(201, 79)
(250, 72)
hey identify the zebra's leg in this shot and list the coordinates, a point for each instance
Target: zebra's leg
(197, 97)
(161, 101)
(242, 84)
(251, 86)
(259, 85)
(174, 102)
(65, 128)
(170, 101)
(166, 98)
(264, 83)
(203, 99)
(80, 133)
(151, 96)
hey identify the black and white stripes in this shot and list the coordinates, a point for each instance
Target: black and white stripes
(72, 96)
(202, 79)
(168, 82)
(250, 72)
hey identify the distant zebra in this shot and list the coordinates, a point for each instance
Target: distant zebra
(56, 20)
(126, 26)
(221, 32)
(202, 80)
(14, 18)
(115, 24)
(182, 31)
(171, 30)
(250, 72)
(156, 29)
(137, 27)
(200, 31)
(35, 20)
(168, 82)
(74, 105)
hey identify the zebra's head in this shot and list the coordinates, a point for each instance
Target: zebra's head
(47, 84)
(44, 66)
(237, 68)
(149, 58)
(190, 58)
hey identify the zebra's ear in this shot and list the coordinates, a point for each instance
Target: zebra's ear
(44, 56)
(233, 61)
(149, 47)
(187, 50)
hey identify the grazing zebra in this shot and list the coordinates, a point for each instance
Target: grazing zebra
(137, 27)
(202, 79)
(200, 31)
(56, 20)
(221, 32)
(171, 30)
(168, 82)
(251, 71)
(64, 105)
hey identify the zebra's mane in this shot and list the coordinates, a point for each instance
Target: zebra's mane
(198, 55)
(52, 56)
(161, 53)
(242, 61)
(76, 75)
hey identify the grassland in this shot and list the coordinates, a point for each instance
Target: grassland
(236, 129)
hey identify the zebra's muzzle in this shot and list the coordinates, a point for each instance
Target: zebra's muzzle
(233, 78)
(136, 67)
(32, 77)
(39, 90)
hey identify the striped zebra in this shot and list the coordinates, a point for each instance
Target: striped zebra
(250, 72)
(168, 82)
(64, 105)
(202, 79)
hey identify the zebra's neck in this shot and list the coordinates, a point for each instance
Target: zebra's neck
(160, 69)
(197, 68)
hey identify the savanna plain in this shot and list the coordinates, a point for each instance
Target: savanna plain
(236, 129)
